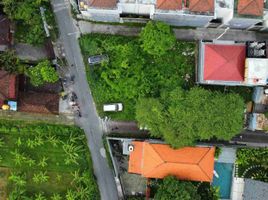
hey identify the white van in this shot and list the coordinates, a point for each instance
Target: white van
(113, 107)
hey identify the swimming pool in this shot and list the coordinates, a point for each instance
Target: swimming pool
(224, 178)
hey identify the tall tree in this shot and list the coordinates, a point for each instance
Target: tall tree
(157, 38)
(171, 188)
(42, 73)
(188, 116)
(9, 62)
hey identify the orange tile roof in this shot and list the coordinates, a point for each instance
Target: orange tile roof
(102, 3)
(201, 5)
(159, 161)
(169, 4)
(250, 7)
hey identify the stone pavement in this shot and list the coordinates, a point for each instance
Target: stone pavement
(181, 34)
(122, 127)
(29, 52)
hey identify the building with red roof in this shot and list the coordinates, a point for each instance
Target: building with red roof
(5, 33)
(201, 5)
(160, 160)
(8, 87)
(228, 64)
(169, 4)
(109, 4)
(174, 12)
(240, 14)
(250, 7)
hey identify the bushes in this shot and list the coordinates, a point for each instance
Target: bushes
(132, 73)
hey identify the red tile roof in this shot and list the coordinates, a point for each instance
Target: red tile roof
(8, 86)
(201, 5)
(4, 30)
(46, 103)
(224, 62)
(250, 7)
(102, 3)
(159, 161)
(169, 4)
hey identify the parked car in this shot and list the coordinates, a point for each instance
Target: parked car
(114, 107)
(93, 60)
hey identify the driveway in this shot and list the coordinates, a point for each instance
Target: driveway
(90, 121)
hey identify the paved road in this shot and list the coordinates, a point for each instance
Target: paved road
(90, 121)
(181, 34)
(252, 138)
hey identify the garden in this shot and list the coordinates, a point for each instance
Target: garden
(43, 161)
(253, 163)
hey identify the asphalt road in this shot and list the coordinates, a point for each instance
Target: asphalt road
(187, 34)
(90, 120)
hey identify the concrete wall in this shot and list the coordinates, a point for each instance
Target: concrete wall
(243, 23)
(136, 8)
(182, 19)
(102, 15)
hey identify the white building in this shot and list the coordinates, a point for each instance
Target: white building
(240, 14)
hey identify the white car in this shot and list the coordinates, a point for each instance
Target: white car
(113, 107)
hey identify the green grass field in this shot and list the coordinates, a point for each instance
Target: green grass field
(45, 160)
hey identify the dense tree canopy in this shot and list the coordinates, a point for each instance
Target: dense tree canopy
(9, 62)
(27, 15)
(183, 117)
(157, 38)
(42, 73)
(171, 188)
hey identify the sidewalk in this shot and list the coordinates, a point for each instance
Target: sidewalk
(122, 127)
(36, 117)
(181, 34)
(29, 52)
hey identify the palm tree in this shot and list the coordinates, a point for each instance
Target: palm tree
(30, 161)
(43, 162)
(2, 142)
(17, 193)
(39, 140)
(76, 178)
(56, 197)
(53, 140)
(58, 177)
(40, 177)
(43, 177)
(39, 196)
(30, 143)
(18, 143)
(18, 157)
(71, 195)
(72, 151)
(18, 179)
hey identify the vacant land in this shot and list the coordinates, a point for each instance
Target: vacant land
(131, 73)
(45, 161)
